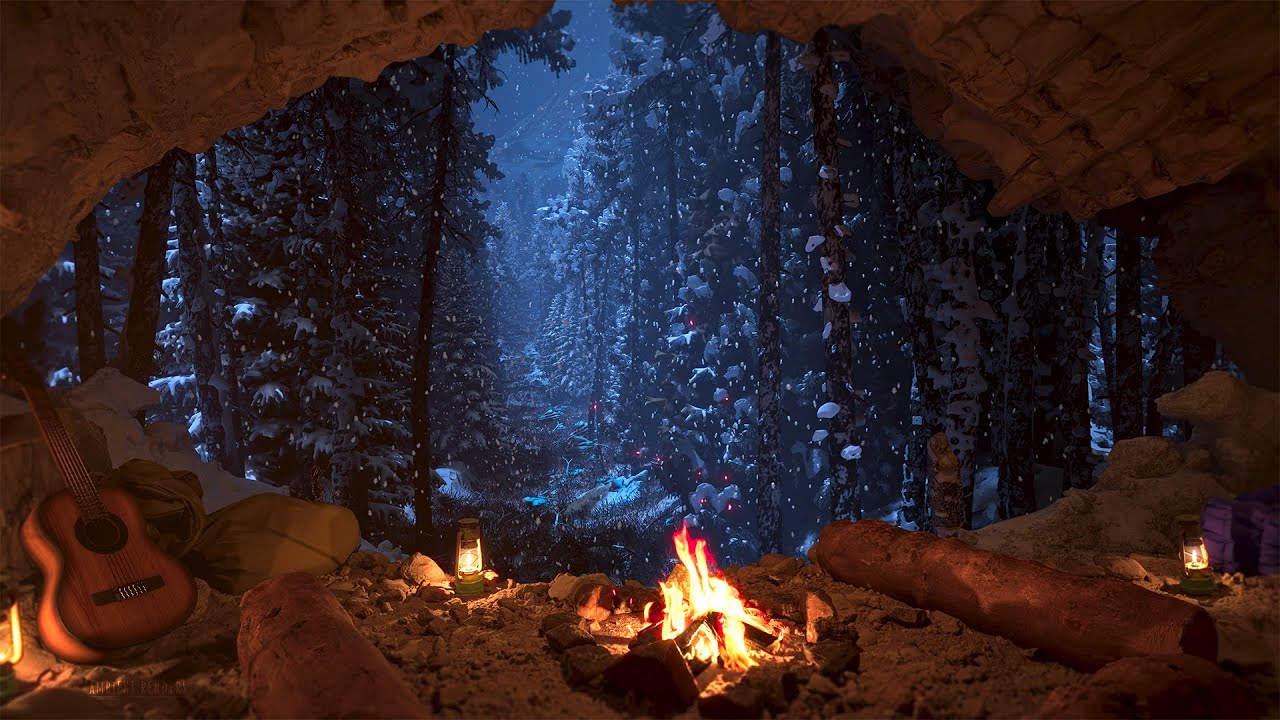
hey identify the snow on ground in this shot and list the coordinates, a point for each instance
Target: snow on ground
(112, 402)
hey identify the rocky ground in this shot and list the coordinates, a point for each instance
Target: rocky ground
(525, 650)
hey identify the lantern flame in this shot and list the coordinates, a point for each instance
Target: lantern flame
(14, 653)
(1195, 557)
(702, 594)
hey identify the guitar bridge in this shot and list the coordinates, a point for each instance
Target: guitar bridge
(128, 591)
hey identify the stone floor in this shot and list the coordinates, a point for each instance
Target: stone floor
(485, 657)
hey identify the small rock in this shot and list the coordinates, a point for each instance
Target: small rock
(821, 684)
(451, 695)
(594, 601)
(834, 657)
(459, 612)
(582, 664)
(783, 570)
(556, 619)
(1121, 567)
(739, 701)
(906, 617)
(433, 594)
(779, 603)
(421, 570)
(657, 674)
(510, 604)
(393, 596)
(438, 626)
(564, 636)
(946, 624)
(386, 606)
(778, 688)
(562, 586)
(817, 606)
(831, 629)
(342, 586)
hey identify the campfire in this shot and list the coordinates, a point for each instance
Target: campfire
(706, 616)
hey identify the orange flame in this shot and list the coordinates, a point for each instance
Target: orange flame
(705, 593)
(14, 652)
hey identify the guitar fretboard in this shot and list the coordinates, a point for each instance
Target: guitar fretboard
(63, 451)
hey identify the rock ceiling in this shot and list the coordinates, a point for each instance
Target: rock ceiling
(1075, 106)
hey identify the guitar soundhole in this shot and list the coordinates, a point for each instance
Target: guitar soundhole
(102, 535)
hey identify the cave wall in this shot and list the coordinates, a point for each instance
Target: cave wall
(1072, 106)
(96, 91)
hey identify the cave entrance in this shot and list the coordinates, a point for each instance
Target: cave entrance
(547, 259)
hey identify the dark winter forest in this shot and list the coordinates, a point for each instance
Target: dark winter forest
(624, 269)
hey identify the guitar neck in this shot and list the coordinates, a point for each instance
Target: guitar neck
(63, 450)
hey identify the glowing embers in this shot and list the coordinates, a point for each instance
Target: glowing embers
(706, 616)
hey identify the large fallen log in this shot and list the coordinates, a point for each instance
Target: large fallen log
(1082, 622)
(302, 657)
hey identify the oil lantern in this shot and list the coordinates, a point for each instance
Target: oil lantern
(1197, 576)
(470, 561)
(10, 641)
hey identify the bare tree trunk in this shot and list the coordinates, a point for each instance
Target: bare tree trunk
(90, 339)
(1106, 323)
(769, 495)
(1016, 482)
(423, 465)
(228, 351)
(197, 303)
(917, 252)
(1198, 352)
(946, 488)
(1161, 365)
(353, 480)
(137, 358)
(1073, 357)
(1126, 408)
(842, 443)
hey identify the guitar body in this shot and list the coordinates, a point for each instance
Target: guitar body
(107, 585)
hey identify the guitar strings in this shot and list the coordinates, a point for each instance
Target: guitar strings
(78, 478)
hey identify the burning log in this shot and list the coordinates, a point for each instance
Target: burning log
(1082, 622)
(301, 656)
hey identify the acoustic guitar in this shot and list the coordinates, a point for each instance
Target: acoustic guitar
(107, 586)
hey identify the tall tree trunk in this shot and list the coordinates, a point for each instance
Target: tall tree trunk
(344, 249)
(1162, 349)
(1198, 352)
(1016, 482)
(1073, 357)
(90, 339)
(229, 351)
(197, 303)
(1106, 322)
(423, 465)
(137, 358)
(1126, 408)
(842, 443)
(769, 494)
(918, 250)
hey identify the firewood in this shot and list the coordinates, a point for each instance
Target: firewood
(1082, 622)
(301, 656)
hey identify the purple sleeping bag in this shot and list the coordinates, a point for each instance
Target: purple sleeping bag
(1243, 534)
